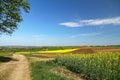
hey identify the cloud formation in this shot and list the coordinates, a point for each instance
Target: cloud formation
(70, 24)
(93, 22)
(86, 34)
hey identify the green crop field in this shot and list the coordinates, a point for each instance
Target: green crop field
(102, 63)
(100, 66)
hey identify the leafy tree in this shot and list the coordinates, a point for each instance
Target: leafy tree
(10, 14)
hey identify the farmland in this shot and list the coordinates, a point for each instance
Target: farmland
(100, 66)
(48, 51)
(68, 63)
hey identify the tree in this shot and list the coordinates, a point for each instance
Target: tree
(10, 14)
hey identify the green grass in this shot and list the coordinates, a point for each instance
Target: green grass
(41, 71)
(99, 66)
(34, 49)
(6, 53)
(5, 56)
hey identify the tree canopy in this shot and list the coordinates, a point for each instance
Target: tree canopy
(10, 14)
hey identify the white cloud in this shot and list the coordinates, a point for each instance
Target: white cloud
(70, 24)
(86, 34)
(93, 22)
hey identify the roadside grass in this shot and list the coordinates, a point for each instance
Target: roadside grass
(5, 56)
(41, 71)
(5, 53)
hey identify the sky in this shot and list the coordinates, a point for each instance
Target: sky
(68, 23)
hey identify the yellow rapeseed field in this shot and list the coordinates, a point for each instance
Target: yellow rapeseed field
(58, 51)
(49, 51)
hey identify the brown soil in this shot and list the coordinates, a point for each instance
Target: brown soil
(48, 55)
(83, 51)
(106, 49)
(94, 50)
(15, 70)
(34, 59)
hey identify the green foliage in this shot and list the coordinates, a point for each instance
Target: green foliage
(33, 49)
(10, 14)
(5, 53)
(40, 71)
(60, 47)
(101, 66)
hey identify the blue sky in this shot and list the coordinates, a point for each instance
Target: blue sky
(68, 22)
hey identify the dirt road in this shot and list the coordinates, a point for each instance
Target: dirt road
(15, 70)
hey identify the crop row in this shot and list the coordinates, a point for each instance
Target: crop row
(99, 66)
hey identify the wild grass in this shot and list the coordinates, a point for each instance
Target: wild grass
(6, 53)
(41, 71)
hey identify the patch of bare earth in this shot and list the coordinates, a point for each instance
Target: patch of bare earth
(95, 50)
(107, 49)
(48, 55)
(63, 72)
(15, 70)
(83, 51)
(34, 59)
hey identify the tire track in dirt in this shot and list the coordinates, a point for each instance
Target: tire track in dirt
(15, 70)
